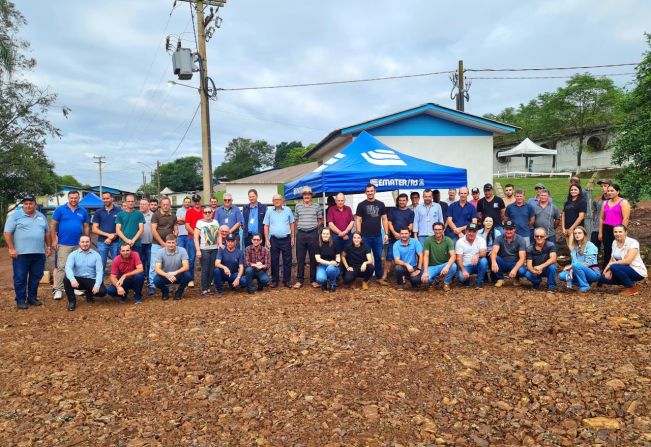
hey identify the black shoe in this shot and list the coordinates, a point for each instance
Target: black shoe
(333, 287)
(260, 288)
(219, 294)
(177, 297)
(35, 302)
(90, 299)
(22, 306)
(250, 292)
(287, 285)
(72, 305)
(165, 297)
(273, 285)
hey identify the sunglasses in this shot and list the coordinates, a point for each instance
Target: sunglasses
(539, 236)
(207, 212)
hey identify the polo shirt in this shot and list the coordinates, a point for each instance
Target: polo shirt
(231, 259)
(85, 265)
(192, 216)
(28, 232)
(105, 219)
(170, 262)
(520, 216)
(532, 201)
(180, 213)
(425, 217)
(492, 209)
(165, 223)
(130, 222)
(510, 251)
(461, 215)
(229, 216)
(340, 218)
(545, 217)
(400, 219)
(307, 216)
(371, 214)
(468, 250)
(439, 252)
(120, 266)
(408, 253)
(70, 223)
(279, 221)
(540, 256)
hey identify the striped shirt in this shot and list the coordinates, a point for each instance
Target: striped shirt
(307, 216)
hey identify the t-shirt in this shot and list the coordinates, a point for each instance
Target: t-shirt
(439, 252)
(120, 266)
(572, 208)
(545, 217)
(208, 234)
(105, 219)
(192, 217)
(468, 250)
(146, 237)
(400, 219)
(510, 251)
(408, 253)
(620, 253)
(328, 252)
(597, 213)
(307, 216)
(342, 218)
(356, 256)
(70, 223)
(28, 233)
(492, 209)
(371, 214)
(540, 256)
(171, 262)
(165, 223)
(180, 213)
(130, 222)
(520, 216)
(231, 259)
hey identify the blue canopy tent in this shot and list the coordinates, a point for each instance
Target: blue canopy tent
(367, 160)
(91, 201)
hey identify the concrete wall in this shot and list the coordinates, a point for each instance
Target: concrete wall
(240, 192)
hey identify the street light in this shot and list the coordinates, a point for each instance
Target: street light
(171, 83)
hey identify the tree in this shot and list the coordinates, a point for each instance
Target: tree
(182, 174)
(633, 144)
(7, 51)
(296, 156)
(282, 151)
(244, 157)
(68, 180)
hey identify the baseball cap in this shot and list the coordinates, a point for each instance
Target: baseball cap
(488, 186)
(231, 237)
(307, 190)
(474, 190)
(471, 227)
(196, 198)
(508, 225)
(539, 186)
(28, 198)
(607, 181)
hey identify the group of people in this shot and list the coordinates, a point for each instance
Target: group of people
(428, 242)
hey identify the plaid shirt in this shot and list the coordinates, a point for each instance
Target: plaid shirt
(251, 256)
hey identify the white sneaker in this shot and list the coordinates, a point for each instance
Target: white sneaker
(191, 284)
(79, 292)
(58, 295)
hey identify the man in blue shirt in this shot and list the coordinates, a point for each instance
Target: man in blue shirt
(229, 266)
(68, 223)
(522, 215)
(460, 215)
(104, 228)
(399, 217)
(279, 233)
(427, 214)
(508, 256)
(230, 215)
(253, 216)
(83, 273)
(28, 239)
(408, 257)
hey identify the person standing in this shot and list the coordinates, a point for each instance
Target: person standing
(230, 215)
(399, 217)
(104, 227)
(509, 190)
(69, 222)
(340, 221)
(358, 262)
(541, 261)
(491, 206)
(471, 257)
(130, 225)
(460, 215)
(308, 220)
(436, 198)
(172, 267)
(206, 244)
(83, 273)
(615, 211)
(475, 197)
(415, 200)
(370, 220)
(408, 257)
(439, 258)
(180, 220)
(546, 216)
(584, 268)
(253, 215)
(257, 260)
(279, 230)
(27, 235)
(229, 266)
(163, 222)
(146, 239)
(328, 260)
(452, 196)
(509, 255)
(604, 183)
(625, 266)
(522, 215)
(214, 204)
(537, 188)
(574, 210)
(192, 216)
(425, 216)
(127, 273)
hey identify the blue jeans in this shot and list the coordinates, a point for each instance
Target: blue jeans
(622, 275)
(421, 239)
(374, 243)
(187, 242)
(221, 277)
(327, 273)
(435, 270)
(182, 280)
(480, 270)
(104, 250)
(341, 243)
(582, 275)
(28, 271)
(155, 248)
(145, 257)
(549, 272)
(133, 283)
(402, 273)
(250, 274)
(507, 266)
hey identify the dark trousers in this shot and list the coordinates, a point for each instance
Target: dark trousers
(132, 283)
(182, 280)
(340, 243)
(85, 284)
(221, 277)
(145, 256)
(623, 275)
(349, 277)
(608, 238)
(594, 238)
(307, 242)
(375, 244)
(402, 273)
(507, 266)
(261, 275)
(281, 246)
(28, 271)
(207, 266)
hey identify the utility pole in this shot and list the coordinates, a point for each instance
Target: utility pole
(158, 178)
(144, 181)
(100, 161)
(206, 146)
(461, 95)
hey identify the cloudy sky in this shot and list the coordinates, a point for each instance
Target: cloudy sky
(107, 62)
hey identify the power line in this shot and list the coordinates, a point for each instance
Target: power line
(553, 68)
(186, 131)
(233, 112)
(549, 77)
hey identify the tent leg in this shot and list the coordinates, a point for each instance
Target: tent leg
(324, 208)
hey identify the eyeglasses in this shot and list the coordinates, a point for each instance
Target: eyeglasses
(228, 200)
(207, 212)
(539, 236)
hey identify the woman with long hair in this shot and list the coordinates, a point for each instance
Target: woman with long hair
(625, 266)
(327, 259)
(584, 268)
(615, 211)
(574, 210)
(489, 233)
(358, 262)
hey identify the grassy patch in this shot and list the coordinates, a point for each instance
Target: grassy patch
(557, 186)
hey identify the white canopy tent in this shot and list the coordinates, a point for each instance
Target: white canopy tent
(527, 148)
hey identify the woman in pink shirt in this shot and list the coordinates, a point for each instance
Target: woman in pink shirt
(615, 211)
